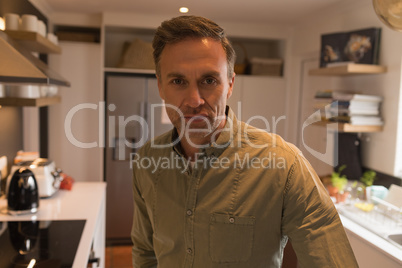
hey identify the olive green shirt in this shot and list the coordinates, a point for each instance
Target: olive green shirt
(244, 197)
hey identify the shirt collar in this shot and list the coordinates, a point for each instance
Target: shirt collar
(226, 136)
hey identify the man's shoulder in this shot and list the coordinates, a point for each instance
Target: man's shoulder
(261, 138)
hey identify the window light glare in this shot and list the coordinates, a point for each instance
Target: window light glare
(2, 24)
(183, 10)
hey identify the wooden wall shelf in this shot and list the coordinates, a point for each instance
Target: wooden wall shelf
(39, 102)
(349, 69)
(346, 127)
(34, 42)
(128, 70)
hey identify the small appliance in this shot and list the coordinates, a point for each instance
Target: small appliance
(47, 175)
(23, 197)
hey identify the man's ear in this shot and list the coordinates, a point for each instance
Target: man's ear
(231, 84)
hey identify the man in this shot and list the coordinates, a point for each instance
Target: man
(224, 194)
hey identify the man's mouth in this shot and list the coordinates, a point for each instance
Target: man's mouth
(196, 118)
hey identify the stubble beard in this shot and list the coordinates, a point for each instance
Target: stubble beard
(195, 132)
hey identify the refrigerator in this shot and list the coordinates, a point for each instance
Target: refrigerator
(134, 113)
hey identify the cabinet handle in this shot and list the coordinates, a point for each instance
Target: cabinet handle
(92, 259)
(119, 149)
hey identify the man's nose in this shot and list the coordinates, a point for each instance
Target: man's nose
(194, 98)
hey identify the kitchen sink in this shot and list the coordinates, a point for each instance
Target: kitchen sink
(396, 238)
(383, 220)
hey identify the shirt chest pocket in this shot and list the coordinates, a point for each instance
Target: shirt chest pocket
(230, 238)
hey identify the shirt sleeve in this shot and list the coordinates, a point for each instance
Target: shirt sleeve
(311, 221)
(141, 234)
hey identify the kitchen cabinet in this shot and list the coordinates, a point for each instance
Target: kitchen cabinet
(86, 201)
(349, 70)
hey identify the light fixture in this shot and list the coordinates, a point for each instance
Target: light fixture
(2, 24)
(31, 263)
(389, 12)
(183, 10)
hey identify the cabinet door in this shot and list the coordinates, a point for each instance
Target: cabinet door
(125, 98)
(368, 255)
(261, 102)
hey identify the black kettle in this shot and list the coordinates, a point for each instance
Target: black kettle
(23, 194)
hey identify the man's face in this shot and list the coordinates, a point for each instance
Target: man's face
(194, 79)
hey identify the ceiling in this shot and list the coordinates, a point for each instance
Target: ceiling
(259, 11)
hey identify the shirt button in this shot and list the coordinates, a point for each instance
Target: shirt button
(189, 250)
(231, 220)
(189, 212)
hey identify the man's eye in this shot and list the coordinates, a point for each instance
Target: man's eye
(209, 81)
(178, 81)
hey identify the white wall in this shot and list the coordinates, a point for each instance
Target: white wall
(233, 28)
(80, 64)
(379, 150)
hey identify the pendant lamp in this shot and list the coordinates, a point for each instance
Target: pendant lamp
(389, 12)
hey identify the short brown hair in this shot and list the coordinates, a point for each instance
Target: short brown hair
(182, 27)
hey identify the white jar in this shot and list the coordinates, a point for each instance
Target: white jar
(3, 92)
(52, 38)
(29, 23)
(42, 28)
(44, 90)
(12, 21)
(52, 91)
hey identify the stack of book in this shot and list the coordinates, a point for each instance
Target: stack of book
(322, 101)
(352, 108)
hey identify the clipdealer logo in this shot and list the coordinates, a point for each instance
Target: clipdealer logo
(175, 162)
(125, 145)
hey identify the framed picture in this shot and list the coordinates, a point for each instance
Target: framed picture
(360, 46)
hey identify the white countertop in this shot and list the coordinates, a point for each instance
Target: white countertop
(84, 201)
(374, 240)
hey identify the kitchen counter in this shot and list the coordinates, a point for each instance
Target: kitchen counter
(85, 201)
(370, 249)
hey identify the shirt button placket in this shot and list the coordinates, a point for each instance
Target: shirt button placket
(189, 212)
(189, 227)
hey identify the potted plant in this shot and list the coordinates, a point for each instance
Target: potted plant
(367, 179)
(338, 184)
